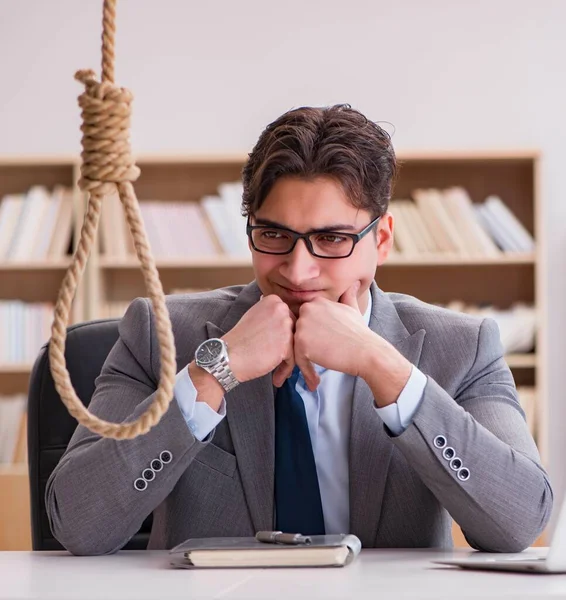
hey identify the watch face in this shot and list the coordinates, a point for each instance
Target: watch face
(209, 352)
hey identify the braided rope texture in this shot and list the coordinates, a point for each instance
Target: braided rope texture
(107, 166)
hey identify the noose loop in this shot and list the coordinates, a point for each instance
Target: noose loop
(107, 166)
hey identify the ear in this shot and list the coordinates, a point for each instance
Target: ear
(384, 233)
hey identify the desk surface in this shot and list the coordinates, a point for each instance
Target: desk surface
(374, 574)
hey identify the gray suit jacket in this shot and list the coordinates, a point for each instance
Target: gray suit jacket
(402, 489)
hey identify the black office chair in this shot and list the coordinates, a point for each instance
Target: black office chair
(50, 426)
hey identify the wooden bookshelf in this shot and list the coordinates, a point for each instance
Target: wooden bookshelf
(29, 281)
(501, 281)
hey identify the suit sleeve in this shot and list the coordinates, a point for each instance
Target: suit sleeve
(94, 497)
(475, 453)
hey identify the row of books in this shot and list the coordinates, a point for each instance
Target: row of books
(517, 324)
(437, 222)
(177, 230)
(25, 328)
(447, 222)
(36, 225)
(12, 429)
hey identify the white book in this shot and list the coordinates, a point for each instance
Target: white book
(423, 238)
(48, 221)
(11, 411)
(522, 239)
(63, 230)
(460, 207)
(36, 204)
(401, 231)
(494, 227)
(231, 194)
(438, 221)
(11, 208)
(215, 209)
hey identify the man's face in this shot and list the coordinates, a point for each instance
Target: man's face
(299, 277)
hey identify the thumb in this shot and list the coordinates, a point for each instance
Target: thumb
(350, 296)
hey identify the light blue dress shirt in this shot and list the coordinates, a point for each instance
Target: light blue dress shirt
(328, 410)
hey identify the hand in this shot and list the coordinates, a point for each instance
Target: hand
(263, 341)
(332, 335)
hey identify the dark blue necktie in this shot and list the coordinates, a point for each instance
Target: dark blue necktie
(298, 507)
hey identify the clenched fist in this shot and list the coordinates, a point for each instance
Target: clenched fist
(262, 341)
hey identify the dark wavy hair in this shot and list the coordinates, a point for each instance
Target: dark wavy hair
(335, 141)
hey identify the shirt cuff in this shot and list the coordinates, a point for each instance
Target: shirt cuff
(399, 415)
(200, 418)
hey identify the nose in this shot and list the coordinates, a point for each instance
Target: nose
(300, 265)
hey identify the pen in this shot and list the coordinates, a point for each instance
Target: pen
(278, 537)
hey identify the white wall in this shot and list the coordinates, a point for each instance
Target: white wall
(209, 75)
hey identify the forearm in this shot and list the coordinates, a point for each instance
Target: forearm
(385, 370)
(506, 502)
(207, 386)
(92, 503)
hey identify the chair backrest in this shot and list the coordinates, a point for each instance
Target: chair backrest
(50, 426)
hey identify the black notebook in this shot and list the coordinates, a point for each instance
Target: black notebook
(323, 551)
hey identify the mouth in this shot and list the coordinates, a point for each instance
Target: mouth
(299, 294)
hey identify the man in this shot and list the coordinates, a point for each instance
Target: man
(399, 414)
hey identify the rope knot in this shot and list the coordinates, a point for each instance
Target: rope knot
(106, 157)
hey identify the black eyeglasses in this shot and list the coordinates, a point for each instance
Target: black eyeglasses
(322, 244)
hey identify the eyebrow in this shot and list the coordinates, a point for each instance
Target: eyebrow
(335, 227)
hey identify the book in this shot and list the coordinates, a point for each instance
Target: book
(323, 551)
(433, 212)
(416, 226)
(224, 228)
(521, 239)
(11, 410)
(36, 205)
(11, 208)
(63, 228)
(40, 246)
(460, 208)
(402, 235)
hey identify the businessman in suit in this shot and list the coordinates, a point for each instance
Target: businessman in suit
(309, 400)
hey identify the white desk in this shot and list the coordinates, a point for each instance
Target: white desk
(375, 574)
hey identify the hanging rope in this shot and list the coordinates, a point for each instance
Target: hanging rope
(107, 166)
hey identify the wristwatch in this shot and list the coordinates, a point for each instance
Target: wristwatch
(212, 356)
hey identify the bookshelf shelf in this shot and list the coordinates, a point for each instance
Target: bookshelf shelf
(15, 369)
(14, 379)
(53, 266)
(32, 282)
(14, 470)
(221, 262)
(522, 361)
(433, 260)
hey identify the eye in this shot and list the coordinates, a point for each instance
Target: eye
(271, 234)
(331, 239)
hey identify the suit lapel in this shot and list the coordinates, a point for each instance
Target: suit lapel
(251, 419)
(370, 446)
